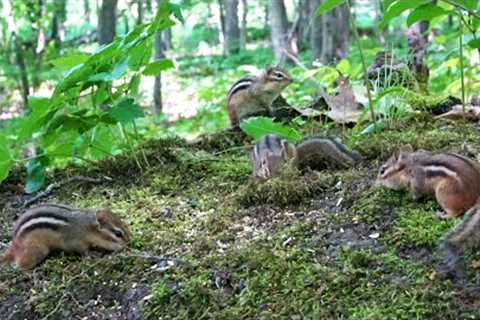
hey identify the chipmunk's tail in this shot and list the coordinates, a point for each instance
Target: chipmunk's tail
(6, 255)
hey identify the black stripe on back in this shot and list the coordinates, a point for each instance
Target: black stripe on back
(41, 225)
(40, 214)
(436, 174)
(466, 160)
(247, 80)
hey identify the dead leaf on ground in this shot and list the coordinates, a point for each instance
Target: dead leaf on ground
(344, 108)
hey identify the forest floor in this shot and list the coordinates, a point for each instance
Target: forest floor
(208, 243)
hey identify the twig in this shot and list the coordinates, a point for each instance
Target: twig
(49, 189)
(294, 59)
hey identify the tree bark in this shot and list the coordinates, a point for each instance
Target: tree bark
(86, 10)
(139, 11)
(59, 17)
(279, 29)
(302, 27)
(329, 35)
(157, 86)
(243, 29)
(107, 21)
(222, 22)
(167, 39)
(232, 31)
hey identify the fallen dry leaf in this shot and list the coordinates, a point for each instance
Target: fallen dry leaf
(344, 108)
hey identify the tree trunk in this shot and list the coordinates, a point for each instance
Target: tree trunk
(107, 21)
(302, 27)
(222, 22)
(59, 17)
(139, 11)
(243, 29)
(167, 39)
(329, 35)
(86, 10)
(279, 29)
(232, 31)
(157, 87)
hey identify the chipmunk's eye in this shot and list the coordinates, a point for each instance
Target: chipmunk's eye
(382, 169)
(118, 233)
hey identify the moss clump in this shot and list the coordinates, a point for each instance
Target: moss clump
(432, 104)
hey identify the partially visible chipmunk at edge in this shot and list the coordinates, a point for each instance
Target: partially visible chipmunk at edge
(53, 227)
(453, 179)
(271, 152)
(253, 96)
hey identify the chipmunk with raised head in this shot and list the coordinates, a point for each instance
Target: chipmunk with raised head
(271, 152)
(54, 227)
(254, 96)
(453, 179)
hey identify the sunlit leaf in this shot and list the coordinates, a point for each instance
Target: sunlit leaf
(396, 8)
(327, 6)
(35, 175)
(6, 161)
(70, 61)
(154, 68)
(257, 127)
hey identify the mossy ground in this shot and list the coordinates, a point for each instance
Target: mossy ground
(208, 243)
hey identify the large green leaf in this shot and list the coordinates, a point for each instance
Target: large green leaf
(257, 127)
(117, 72)
(126, 111)
(474, 43)
(6, 161)
(396, 8)
(154, 68)
(425, 12)
(328, 5)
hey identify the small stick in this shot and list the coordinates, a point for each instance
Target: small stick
(49, 189)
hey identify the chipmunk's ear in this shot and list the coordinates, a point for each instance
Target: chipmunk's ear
(103, 216)
(269, 68)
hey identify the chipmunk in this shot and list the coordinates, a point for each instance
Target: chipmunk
(465, 235)
(52, 227)
(253, 96)
(271, 152)
(453, 179)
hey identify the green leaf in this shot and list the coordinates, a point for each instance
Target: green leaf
(126, 111)
(177, 12)
(70, 61)
(6, 161)
(474, 43)
(154, 68)
(425, 12)
(467, 4)
(35, 174)
(117, 72)
(328, 5)
(257, 127)
(397, 8)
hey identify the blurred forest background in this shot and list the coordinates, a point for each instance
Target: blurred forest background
(72, 91)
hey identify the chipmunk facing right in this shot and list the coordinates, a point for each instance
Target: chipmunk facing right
(53, 227)
(271, 152)
(453, 179)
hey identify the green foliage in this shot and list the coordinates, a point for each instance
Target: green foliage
(88, 110)
(327, 6)
(257, 127)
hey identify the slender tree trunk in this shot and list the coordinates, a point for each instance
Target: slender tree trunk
(302, 27)
(232, 31)
(139, 11)
(243, 29)
(86, 10)
(107, 21)
(157, 87)
(279, 28)
(59, 17)
(167, 39)
(329, 35)
(221, 9)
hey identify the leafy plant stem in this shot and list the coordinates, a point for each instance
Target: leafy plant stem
(130, 145)
(362, 58)
(473, 13)
(137, 136)
(462, 76)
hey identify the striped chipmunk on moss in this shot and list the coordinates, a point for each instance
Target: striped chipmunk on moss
(254, 96)
(271, 152)
(54, 227)
(452, 179)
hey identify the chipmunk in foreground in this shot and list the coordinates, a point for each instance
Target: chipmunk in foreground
(53, 227)
(253, 96)
(271, 152)
(453, 179)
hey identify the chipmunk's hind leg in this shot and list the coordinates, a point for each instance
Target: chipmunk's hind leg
(31, 254)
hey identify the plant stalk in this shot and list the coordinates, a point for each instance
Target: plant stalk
(362, 58)
(462, 75)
